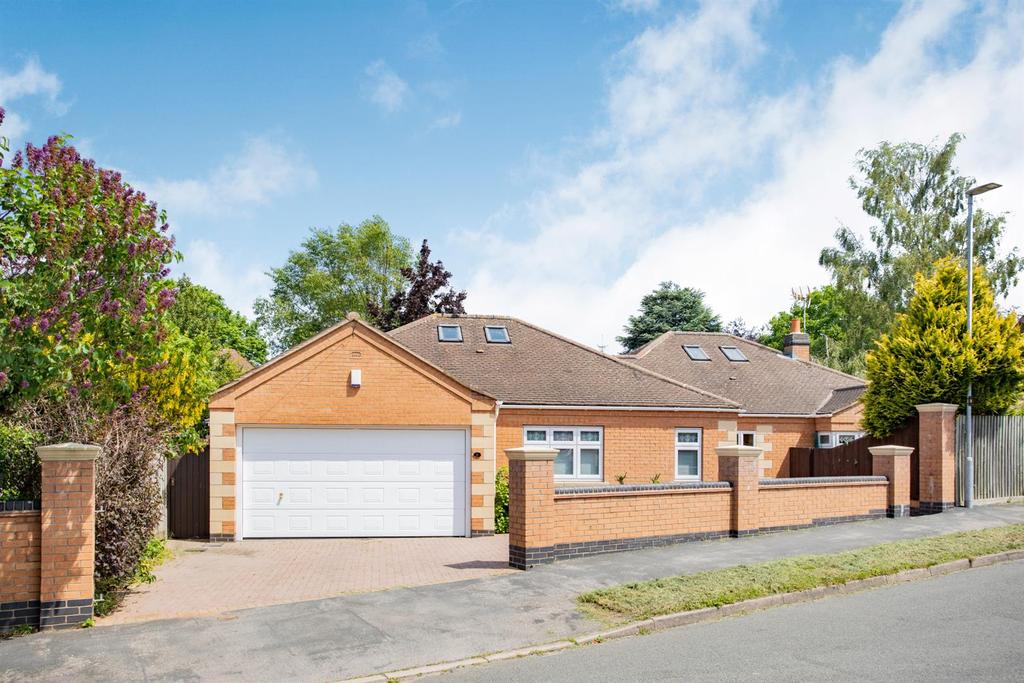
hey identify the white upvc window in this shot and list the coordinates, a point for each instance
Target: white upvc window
(833, 439)
(688, 454)
(580, 449)
(744, 438)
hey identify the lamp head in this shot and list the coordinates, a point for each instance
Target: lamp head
(982, 189)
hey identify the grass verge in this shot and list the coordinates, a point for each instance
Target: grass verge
(733, 584)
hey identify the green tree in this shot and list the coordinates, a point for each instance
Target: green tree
(927, 357)
(837, 333)
(200, 313)
(915, 194)
(352, 268)
(669, 307)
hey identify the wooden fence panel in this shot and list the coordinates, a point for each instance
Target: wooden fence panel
(854, 459)
(188, 496)
(998, 456)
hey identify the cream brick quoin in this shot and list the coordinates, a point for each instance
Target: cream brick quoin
(222, 475)
(761, 432)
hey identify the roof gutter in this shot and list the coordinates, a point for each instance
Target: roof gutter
(802, 415)
(678, 409)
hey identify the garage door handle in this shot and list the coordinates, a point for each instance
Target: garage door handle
(280, 496)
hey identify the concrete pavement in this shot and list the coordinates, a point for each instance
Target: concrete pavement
(960, 627)
(354, 635)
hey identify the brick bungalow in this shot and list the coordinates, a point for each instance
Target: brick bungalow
(786, 400)
(360, 433)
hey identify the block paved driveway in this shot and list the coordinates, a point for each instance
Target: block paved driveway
(205, 579)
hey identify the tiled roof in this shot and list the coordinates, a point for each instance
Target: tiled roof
(542, 368)
(842, 398)
(769, 383)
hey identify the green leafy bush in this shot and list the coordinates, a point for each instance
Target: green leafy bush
(501, 501)
(19, 464)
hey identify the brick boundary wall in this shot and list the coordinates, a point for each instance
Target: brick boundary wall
(548, 524)
(47, 556)
(19, 568)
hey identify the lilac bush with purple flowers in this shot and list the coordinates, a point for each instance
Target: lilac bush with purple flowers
(83, 265)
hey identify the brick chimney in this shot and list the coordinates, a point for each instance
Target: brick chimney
(796, 344)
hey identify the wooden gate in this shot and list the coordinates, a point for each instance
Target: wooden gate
(854, 459)
(188, 496)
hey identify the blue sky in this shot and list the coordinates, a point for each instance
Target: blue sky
(561, 157)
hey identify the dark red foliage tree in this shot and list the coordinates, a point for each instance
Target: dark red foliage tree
(429, 291)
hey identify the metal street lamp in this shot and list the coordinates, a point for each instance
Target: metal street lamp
(971, 193)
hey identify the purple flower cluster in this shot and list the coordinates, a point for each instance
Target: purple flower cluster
(96, 255)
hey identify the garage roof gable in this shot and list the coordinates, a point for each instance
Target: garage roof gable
(225, 396)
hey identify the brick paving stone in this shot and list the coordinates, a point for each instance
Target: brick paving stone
(210, 578)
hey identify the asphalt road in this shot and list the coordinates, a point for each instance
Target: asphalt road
(964, 626)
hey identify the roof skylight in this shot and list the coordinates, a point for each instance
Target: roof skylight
(734, 354)
(695, 352)
(497, 334)
(449, 333)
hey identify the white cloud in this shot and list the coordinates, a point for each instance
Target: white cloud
(448, 120)
(652, 202)
(239, 283)
(262, 170)
(32, 80)
(387, 90)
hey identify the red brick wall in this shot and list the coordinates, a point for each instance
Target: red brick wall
(19, 556)
(639, 444)
(847, 420)
(778, 435)
(800, 504)
(316, 391)
(533, 524)
(937, 447)
(69, 530)
(606, 516)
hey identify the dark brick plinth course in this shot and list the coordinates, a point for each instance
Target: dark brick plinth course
(64, 613)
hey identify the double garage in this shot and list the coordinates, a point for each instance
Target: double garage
(350, 435)
(300, 482)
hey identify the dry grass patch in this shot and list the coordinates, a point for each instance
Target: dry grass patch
(734, 584)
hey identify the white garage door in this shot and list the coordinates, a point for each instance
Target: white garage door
(353, 482)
